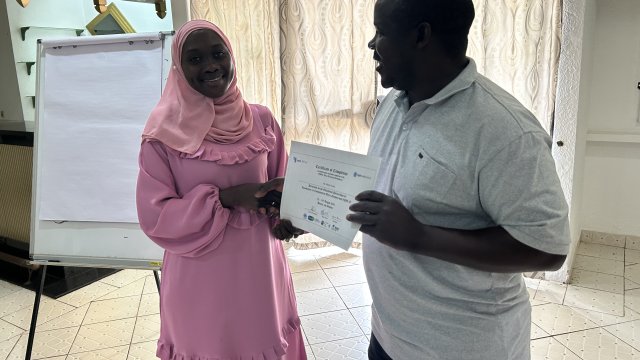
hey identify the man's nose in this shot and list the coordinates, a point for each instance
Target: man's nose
(372, 44)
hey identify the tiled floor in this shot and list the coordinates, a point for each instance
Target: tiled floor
(596, 317)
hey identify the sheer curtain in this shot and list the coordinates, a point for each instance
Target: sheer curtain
(516, 43)
(308, 61)
(253, 27)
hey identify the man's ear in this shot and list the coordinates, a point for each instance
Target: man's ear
(424, 34)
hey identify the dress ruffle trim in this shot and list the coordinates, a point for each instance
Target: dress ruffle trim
(241, 153)
(167, 352)
(244, 220)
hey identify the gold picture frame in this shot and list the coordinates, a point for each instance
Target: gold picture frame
(110, 22)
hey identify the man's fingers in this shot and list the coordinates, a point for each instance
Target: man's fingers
(368, 229)
(362, 218)
(370, 195)
(366, 207)
(273, 184)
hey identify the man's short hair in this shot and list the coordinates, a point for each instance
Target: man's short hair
(450, 20)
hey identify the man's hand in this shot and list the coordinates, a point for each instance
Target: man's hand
(284, 230)
(247, 195)
(271, 191)
(387, 220)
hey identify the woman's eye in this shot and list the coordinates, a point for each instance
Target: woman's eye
(219, 54)
(194, 60)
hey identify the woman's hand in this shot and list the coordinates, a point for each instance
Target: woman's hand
(247, 195)
(284, 230)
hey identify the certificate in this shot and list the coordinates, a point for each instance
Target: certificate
(320, 185)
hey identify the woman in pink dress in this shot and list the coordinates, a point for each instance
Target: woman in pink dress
(226, 290)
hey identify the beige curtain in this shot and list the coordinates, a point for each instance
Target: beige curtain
(308, 61)
(328, 77)
(252, 26)
(516, 43)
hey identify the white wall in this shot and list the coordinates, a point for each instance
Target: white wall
(9, 96)
(612, 169)
(74, 14)
(570, 126)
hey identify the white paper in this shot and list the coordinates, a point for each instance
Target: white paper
(320, 185)
(96, 100)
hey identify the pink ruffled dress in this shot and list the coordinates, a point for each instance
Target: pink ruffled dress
(226, 290)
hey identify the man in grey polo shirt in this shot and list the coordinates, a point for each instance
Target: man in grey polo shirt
(466, 200)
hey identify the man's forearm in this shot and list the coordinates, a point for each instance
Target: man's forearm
(491, 249)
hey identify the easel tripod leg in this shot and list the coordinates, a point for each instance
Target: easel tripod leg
(34, 315)
(155, 275)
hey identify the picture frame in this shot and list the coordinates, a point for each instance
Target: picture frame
(112, 21)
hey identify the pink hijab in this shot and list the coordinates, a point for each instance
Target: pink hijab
(183, 117)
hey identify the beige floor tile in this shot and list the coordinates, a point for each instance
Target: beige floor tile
(8, 330)
(143, 351)
(363, 318)
(597, 344)
(601, 251)
(310, 280)
(550, 349)
(319, 301)
(632, 272)
(87, 294)
(150, 286)
(630, 285)
(595, 300)
(628, 332)
(133, 289)
(7, 288)
(550, 292)
(532, 287)
(344, 349)
(49, 309)
(346, 275)
(149, 304)
(45, 344)
(16, 301)
(309, 352)
(557, 319)
(598, 281)
(6, 346)
(303, 263)
(602, 319)
(355, 295)
(71, 319)
(537, 332)
(125, 277)
(631, 256)
(531, 283)
(112, 309)
(115, 353)
(633, 242)
(330, 326)
(603, 238)
(147, 329)
(605, 266)
(103, 335)
(349, 257)
(632, 299)
(329, 263)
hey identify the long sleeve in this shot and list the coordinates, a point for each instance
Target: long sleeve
(189, 225)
